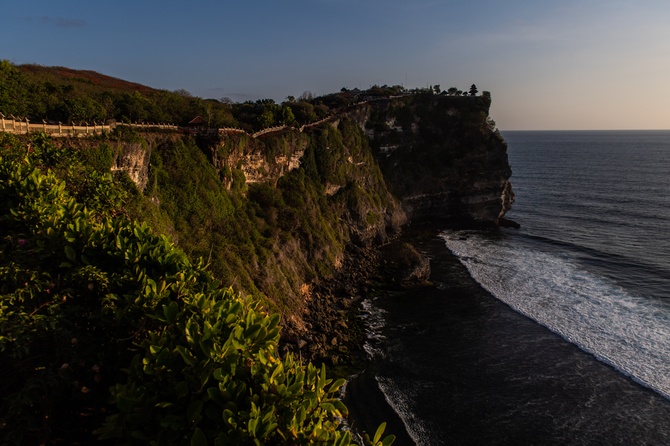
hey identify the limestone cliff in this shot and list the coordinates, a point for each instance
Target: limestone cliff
(262, 160)
(441, 157)
(133, 158)
(276, 215)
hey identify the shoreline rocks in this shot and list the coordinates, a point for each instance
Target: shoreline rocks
(333, 333)
(404, 266)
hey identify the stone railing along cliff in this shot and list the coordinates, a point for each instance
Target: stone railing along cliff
(23, 126)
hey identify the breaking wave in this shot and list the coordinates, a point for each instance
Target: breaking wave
(627, 331)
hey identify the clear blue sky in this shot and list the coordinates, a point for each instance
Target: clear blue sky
(570, 64)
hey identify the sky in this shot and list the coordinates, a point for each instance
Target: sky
(567, 64)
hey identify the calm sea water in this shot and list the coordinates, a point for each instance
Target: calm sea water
(563, 337)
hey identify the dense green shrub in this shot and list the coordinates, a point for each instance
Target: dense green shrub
(93, 305)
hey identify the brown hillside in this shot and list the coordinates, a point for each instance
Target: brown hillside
(67, 75)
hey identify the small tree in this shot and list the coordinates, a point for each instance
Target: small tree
(266, 118)
(288, 118)
(473, 90)
(437, 89)
(183, 93)
(306, 96)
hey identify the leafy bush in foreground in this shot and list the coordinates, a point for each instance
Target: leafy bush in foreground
(109, 331)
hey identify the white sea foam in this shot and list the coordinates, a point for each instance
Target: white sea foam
(631, 333)
(399, 397)
(373, 316)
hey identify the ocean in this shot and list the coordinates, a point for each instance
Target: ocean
(557, 333)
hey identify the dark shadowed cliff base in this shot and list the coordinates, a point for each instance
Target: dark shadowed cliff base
(456, 366)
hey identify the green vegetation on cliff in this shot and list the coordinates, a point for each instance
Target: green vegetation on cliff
(277, 235)
(109, 330)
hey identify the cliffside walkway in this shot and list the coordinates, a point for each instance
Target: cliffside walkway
(22, 126)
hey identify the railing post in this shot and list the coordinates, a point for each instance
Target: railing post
(60, 128)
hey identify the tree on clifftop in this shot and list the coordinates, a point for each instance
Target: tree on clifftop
(473, 90)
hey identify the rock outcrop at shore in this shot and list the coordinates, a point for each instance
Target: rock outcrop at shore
(406, 267)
